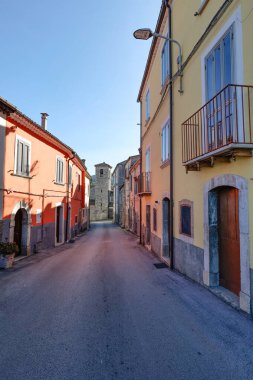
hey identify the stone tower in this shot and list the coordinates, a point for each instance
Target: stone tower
(103, 191)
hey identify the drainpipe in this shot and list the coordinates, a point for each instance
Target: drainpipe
(171, 249)
(140, 150)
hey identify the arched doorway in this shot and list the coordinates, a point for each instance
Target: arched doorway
(20, 231)
(166, 228)
(227, 194)
(20, 227)
(225, 236)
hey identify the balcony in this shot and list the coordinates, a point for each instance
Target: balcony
(221, 129)
(144, 184)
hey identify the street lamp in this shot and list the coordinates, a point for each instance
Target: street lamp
(146, 33)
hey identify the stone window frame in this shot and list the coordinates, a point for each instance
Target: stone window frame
(59, 177)
(183, 236)
(28, 143)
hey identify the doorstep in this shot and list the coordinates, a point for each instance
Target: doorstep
(227, 296)
(21, 257)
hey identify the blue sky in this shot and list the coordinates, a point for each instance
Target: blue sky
(78, 61)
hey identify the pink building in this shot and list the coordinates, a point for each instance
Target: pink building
(42, 184)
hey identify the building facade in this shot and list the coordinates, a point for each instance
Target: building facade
(101, 205)
(118, 178)
(42, 184)
(87, 199)
(196, 144)
(128, 188)
(134, 199)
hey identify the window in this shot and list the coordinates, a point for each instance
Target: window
(148, 160)
(154, 219)
(135, 186)
(59, 170)
(218, 74)
(70, 175)
(218, 65)
(165, 62)
(78, 182)
(186, 218)
(76, 219)
(23, 149)
(165, 143)
(101, 172)
(147, 105)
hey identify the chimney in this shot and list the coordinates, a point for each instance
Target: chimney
(44, 116)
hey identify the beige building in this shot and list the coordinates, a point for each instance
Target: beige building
(196, 143)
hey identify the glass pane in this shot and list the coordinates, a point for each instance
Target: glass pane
(186, 220)
(148, 160)
(227, 60)
(209, 77)
(217, 55)
(165, 143)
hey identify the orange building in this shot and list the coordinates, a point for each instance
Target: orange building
(42, 182)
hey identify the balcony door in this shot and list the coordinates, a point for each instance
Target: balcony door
(147, 178)
(219, 73)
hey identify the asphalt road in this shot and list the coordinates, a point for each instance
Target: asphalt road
(99, 309)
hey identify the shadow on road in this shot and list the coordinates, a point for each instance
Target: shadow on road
(105, 224)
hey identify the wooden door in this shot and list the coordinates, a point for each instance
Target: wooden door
(147, 224)
(18, 230)
(229, 240)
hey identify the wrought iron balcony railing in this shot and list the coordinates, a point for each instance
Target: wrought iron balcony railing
(144, 183)
(223, 126)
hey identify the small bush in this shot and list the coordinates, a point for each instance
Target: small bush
(8, 248)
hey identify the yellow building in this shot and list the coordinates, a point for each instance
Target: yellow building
(198, 186)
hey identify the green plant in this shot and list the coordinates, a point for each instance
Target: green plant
(8, 248)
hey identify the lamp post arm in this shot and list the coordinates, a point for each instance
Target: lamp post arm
(175, 42)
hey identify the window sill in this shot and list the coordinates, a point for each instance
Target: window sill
(21, 176)
(164, 164)
(58, 183)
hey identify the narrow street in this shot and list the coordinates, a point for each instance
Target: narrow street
(99, 309)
